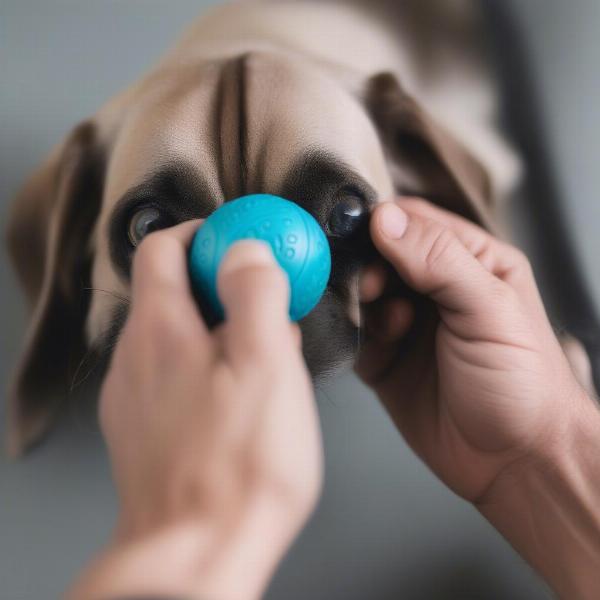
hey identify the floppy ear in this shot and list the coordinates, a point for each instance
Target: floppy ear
(425, 158)
(49, 243)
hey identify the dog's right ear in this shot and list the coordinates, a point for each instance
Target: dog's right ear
(48, 237)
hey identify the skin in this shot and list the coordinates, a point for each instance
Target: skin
(498, 415)
(213, 437)
(488, 401)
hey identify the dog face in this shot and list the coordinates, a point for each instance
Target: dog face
(256, 123)
(177, 146)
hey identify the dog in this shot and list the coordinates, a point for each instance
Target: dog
(334, 105)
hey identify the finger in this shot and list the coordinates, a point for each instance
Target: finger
(384, 345)
(432, 260)
(372, 282)
(160, 263)
(496, 256)
(161, 291)
(389, 322)
(500, 258)
(256, 296)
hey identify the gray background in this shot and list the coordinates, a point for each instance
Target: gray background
(385, 527)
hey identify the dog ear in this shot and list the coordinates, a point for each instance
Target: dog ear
(425, 158)
(48, 238)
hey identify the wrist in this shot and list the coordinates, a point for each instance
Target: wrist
(546, 505)
(194, 557)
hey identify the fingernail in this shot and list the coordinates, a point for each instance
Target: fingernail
(247, 253)
(393, 221)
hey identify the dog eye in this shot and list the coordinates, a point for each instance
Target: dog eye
(347, 215)
(145, 221)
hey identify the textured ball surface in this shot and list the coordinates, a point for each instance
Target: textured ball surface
(296, 239)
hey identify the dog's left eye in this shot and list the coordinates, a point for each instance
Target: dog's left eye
(145, 221)
(347, 215)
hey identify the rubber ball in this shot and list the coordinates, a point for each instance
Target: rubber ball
(296, 239)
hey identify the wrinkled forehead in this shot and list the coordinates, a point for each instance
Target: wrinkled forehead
(242, 124)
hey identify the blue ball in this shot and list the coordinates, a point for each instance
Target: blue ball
(296, 239)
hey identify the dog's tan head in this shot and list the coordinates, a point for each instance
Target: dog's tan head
(175, 147)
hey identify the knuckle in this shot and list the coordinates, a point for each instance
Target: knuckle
(268, 356)
(521, 260)
(416, 203)
(260, 279)
(438, 245)
(503, 293)
(272, 279)
(283, 486)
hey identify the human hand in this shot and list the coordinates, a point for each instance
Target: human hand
(213, 436)
(488, 399)
(489, 385)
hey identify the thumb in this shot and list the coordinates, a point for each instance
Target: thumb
(255, 293)
(432, 260)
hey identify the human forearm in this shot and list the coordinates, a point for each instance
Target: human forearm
(547, 508)
(192, 559)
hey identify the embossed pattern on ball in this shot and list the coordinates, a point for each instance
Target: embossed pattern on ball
(297, 241)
